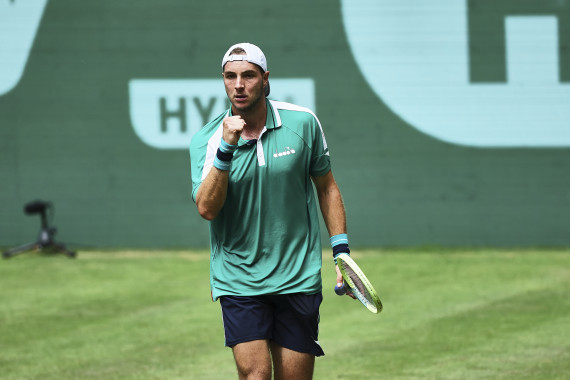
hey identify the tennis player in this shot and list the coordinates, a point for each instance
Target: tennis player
(253, 170)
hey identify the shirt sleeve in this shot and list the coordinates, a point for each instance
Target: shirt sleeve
(197, 158)
(320, 158)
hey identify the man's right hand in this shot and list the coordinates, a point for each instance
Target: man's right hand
(233, 127)
(340, 282)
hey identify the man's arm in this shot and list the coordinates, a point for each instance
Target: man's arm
(332, 208)
(212, 192)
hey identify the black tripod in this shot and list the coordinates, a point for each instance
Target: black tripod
(46, 239)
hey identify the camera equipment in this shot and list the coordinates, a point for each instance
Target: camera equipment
(46, 238)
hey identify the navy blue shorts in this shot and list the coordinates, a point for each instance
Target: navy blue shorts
(290, 320)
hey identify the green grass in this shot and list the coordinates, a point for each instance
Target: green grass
(454, 314)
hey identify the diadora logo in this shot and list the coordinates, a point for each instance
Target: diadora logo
(165, 113)
(19, 21)
(486, 73)
(285, 152)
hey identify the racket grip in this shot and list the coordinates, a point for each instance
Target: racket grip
(341, 291)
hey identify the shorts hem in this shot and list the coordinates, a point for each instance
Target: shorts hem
(246, 339)
(303, 350)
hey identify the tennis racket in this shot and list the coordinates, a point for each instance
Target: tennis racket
(356, 282)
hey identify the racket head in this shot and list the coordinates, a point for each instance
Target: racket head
(358, 283)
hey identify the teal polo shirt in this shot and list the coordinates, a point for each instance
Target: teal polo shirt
(266, 238)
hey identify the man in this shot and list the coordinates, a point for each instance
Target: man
(252, 173)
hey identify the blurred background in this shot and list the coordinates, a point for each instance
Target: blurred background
(448, 121)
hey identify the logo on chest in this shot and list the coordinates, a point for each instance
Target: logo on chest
(286, 152)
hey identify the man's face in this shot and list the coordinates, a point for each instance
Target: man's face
(244, 84)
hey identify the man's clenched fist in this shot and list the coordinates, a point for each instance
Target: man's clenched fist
(233, 127)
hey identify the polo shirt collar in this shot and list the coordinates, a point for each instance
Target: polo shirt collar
(273, 120)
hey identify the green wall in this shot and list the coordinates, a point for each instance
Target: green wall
(67, 130)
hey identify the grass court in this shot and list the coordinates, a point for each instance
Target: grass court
(448, 314)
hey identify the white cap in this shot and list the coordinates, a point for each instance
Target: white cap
(253, 54)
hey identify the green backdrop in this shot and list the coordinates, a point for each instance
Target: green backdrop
(67, 134)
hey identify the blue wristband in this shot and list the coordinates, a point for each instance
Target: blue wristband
(224, 155)
(227, 148)
(222, 165)
(339, 245)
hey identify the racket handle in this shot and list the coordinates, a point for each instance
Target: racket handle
(341, 291)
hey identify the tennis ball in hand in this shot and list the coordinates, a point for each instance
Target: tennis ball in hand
(340, 289)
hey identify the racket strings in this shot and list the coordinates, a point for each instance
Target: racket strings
(358, 284)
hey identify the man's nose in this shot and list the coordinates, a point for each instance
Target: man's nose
(239, 82)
